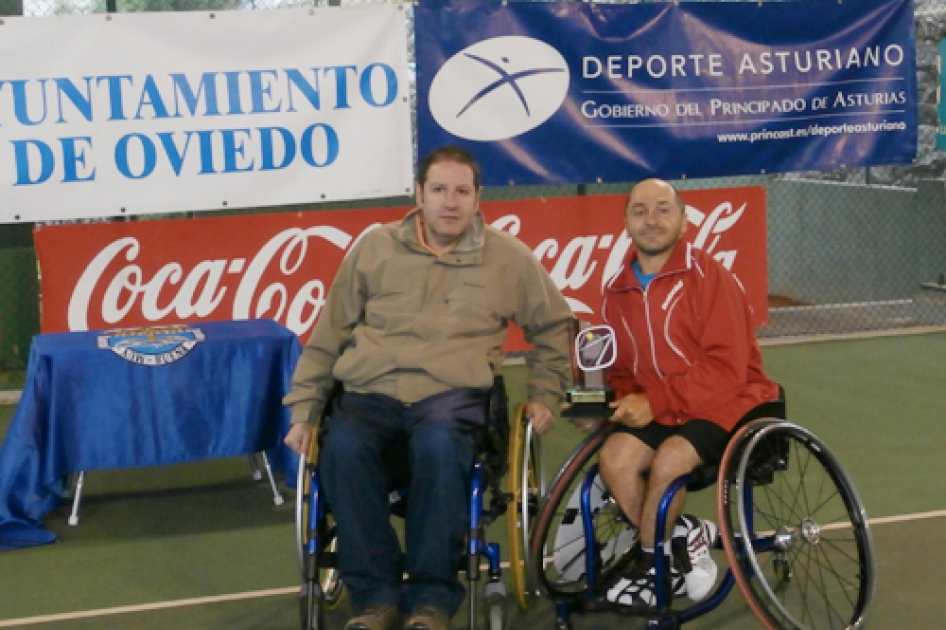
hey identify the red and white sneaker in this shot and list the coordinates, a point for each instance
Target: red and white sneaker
(701, 536)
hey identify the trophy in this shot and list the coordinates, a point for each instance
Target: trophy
(593, 352)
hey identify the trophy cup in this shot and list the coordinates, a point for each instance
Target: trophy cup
(593, 352)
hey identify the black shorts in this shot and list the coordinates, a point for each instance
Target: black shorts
(708, 438)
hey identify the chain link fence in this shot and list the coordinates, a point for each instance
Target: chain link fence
(850, 251)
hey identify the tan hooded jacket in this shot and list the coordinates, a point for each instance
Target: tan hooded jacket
(402, 322)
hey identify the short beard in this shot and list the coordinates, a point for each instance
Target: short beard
(656, 251)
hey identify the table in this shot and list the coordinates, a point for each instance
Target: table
(141, 397)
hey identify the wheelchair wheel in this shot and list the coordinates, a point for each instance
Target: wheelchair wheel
(322, 588)
(794, 529)
(525, 483)
(558, 547)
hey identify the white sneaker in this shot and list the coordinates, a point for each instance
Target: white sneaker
(636, 591)
(701, 536)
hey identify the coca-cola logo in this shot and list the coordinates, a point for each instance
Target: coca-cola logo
(200, 292)
(245, 268)
(712, 226)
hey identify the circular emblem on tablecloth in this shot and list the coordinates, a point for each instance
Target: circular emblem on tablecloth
(158, 345)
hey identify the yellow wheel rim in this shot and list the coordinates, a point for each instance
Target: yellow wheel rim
(523, 497)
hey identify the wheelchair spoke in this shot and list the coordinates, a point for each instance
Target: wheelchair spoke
(845, 585)
(794, 484)
(847, 554)
(821, 573)
(815, 498)
(559, 526)
(827, 573)
(560, 556)
(802, 467)
(809, 591)
(777, 507)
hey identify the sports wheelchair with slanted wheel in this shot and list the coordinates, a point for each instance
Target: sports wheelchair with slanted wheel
(794, 531)
(506, 469)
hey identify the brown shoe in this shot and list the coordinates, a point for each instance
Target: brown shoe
(380, 618)
(428, 618)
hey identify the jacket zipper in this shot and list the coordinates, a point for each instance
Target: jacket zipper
(650, 331)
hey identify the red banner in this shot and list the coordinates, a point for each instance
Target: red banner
(279, 266)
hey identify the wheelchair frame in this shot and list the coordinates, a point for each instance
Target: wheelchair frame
(322, 588)
(587, 535)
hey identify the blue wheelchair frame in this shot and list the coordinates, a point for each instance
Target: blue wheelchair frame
(484, 490)
(665, 616)
(579, 475)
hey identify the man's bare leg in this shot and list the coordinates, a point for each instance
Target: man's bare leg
(622, 462)
(675, 457)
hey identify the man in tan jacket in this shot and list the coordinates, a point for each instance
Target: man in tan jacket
(412, 329)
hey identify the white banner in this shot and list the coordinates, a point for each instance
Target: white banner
(104, 115)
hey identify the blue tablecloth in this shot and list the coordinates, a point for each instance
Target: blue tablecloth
(95, 401)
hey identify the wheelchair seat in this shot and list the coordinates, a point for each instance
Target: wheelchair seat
(766, 461)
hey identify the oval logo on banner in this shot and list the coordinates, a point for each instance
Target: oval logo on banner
(499, 88)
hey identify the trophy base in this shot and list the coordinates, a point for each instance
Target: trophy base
(588, 410)
(588, 403)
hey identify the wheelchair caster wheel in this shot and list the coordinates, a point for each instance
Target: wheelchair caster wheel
(497, 614)
(782, 568)
(495, 593)
(310, 607)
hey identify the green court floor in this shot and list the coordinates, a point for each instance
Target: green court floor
(163, 537)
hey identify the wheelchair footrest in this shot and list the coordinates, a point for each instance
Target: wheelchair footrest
(591, 606)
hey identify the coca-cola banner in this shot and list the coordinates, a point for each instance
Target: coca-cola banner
(130, 113)
(279, 266)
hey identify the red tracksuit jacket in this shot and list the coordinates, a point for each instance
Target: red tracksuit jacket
(686, 342)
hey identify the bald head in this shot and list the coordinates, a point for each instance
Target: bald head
(654, 185)
(656, 221)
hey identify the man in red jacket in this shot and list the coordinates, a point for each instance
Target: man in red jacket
(688, 370)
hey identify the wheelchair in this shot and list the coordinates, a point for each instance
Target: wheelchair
(505, 481)
(791, 524)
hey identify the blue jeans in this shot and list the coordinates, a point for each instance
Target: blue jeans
(375, 444)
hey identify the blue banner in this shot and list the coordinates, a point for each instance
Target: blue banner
(572, 92)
